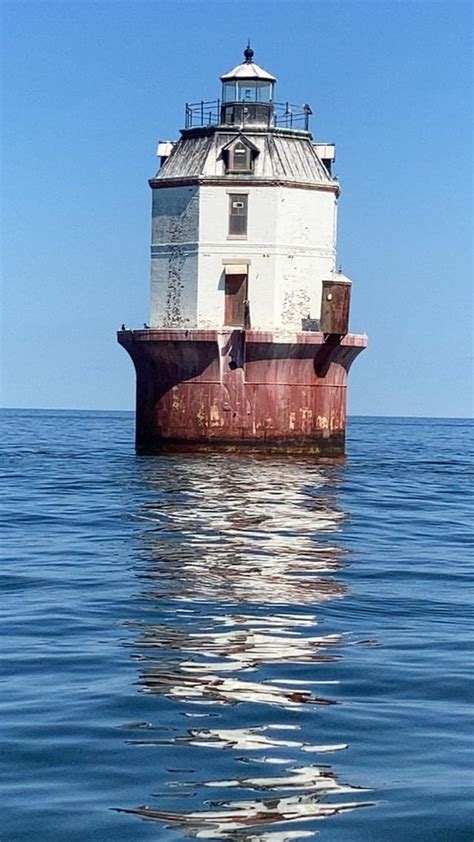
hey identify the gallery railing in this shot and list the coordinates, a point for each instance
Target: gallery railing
(285, 115)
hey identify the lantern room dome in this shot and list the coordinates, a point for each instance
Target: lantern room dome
(248, 70)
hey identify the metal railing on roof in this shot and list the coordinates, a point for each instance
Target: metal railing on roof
(290, 116)
(285, 115)
(204, 113)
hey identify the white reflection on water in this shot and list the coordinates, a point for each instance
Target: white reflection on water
(243, 739)
(234, 815)
(236, 549)
(247, 534)
(215, 689)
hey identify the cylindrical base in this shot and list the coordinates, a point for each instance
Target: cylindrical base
(233, 390)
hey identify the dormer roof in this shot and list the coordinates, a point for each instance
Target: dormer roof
(240, 138)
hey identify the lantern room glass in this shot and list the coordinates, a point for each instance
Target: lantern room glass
(247, 90)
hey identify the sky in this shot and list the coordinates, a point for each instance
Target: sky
(90, 87)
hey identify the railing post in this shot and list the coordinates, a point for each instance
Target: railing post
(202, 112)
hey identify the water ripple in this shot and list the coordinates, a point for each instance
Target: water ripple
(267, 546)
(239, 648)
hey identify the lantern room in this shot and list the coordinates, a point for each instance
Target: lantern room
(248, 82)
(247, 90)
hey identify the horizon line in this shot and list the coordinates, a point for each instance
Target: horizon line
(132, 411)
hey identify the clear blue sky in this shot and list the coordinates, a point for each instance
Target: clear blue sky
(90, 87)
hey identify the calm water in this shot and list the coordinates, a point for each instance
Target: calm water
(235, 648)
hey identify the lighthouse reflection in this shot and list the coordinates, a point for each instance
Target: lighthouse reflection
(237, 557)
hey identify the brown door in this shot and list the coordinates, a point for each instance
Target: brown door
(335, 303)
(235, 300)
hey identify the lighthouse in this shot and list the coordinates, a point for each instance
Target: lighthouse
(247, 344)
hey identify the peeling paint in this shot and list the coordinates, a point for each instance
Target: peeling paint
(173, 316)
(296, 306)
(214, 416)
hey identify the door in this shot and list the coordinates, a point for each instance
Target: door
(335, 303)
(235, 300)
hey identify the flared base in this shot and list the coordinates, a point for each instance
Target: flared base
(233, 390)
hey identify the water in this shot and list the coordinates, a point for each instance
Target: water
(235, 648)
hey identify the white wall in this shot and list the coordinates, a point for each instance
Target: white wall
(290, 245)
(174, 257)
(306, 233)
(215, 246)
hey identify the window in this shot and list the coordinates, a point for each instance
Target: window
(247, 90)
(238, 204)
(265, 92)
(240, 158)
(228, 93)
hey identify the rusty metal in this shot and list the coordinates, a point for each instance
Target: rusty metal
(335, 305)
(325, 353)
(234, 389)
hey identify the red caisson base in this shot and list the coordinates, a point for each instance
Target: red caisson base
(236, 389)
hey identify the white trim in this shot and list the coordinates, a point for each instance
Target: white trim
(236, 268)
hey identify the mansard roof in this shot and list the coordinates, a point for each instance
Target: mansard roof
(283, 155)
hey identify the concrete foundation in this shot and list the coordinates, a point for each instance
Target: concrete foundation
(234, 389)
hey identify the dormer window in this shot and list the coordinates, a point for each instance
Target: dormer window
(239, 156)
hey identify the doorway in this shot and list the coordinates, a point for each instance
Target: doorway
(236, 304)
